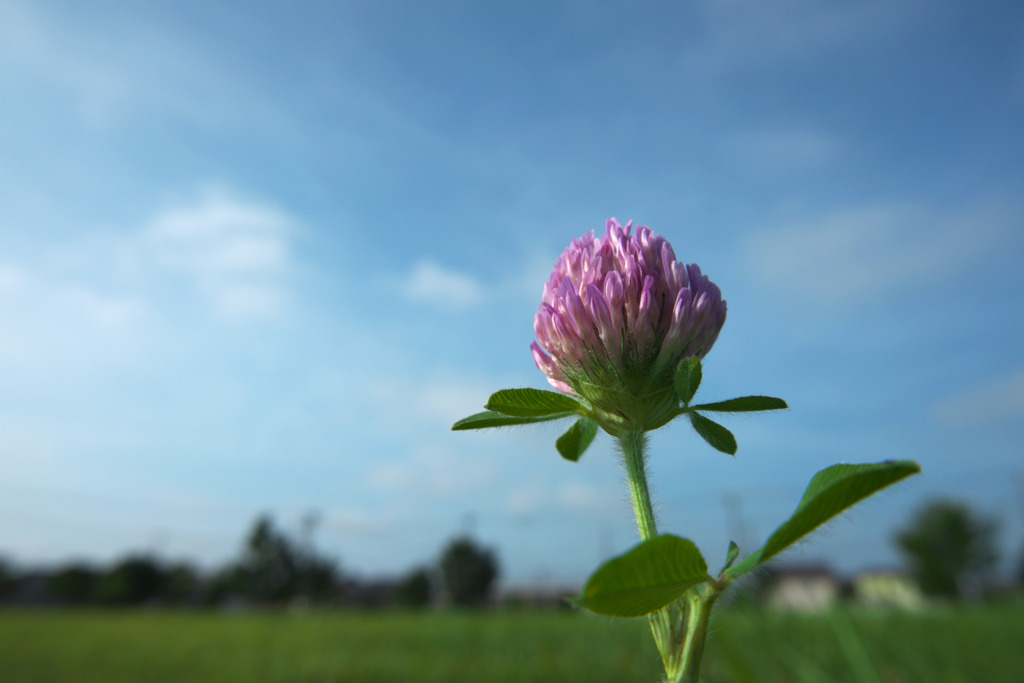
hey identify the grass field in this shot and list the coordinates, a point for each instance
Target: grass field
(970, 645)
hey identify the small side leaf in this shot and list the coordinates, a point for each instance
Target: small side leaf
(687, 380)
(488, 419)
(652, 575)
(531, 403)
(730, 558)
(744, 404)
(717, 436)
(574, 442)
(831, 491)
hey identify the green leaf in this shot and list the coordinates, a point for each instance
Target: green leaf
(653, 574)
(715, 434)
(531, 403)
(574, 442)
(744, 404)
(490, 419)
(730, 558)
(831, 491)
(688, 376)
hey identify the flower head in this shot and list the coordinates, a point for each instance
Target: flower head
(618, 314)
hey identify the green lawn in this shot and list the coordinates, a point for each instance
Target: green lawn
(971, 645)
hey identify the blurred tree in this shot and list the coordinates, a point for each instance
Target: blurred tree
(468, 572)
(318, 578)
(229, 582)
(414, 590)
(131, 581)
(182, 583)
(1020, 570)
(952, 551)
(7, 578)
(274, 568)
(269, 563)
(73, 584)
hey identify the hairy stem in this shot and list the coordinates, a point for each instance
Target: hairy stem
(679, 629)
(634, 446)
(698, 614)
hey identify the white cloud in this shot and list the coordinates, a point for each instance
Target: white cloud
(99, 298)
(579, 496)
(235, 251)
(861, 256)
(222, 236)
(438, 286)
(998, 399)
(573, 496)
(435, 472)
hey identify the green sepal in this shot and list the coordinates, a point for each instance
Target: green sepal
(687, 379)
(830, 491)
(730, 557)
(652, 575)
(488, 419)
(532, 403)
(744, 404)
(717, 436)
(574, 442)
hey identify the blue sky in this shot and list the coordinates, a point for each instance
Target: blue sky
(258, 258)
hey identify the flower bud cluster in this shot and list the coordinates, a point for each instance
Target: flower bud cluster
(617, 316)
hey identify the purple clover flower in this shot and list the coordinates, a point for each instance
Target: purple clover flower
(618, 314)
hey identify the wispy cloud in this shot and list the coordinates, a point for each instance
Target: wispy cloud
(583, 497)
(433, 472)
(99, 298)
(743, 34)
(12, 279)
(347, 522)
(125, 67)
(573, 496)
(858, 257)
(997, 399)
(451, 401)
(435, 285)
(439, 398)
(782, 150)
(61, 324)
(222, 236)
(236, 251)
(527, 499)
(53, 55)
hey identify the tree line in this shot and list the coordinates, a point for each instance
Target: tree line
(272, 569)
(950, 550)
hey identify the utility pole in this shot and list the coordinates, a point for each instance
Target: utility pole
(469, 520)
(734, 522)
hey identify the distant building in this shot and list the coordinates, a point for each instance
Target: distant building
(804, 588)
(536, 598)
(30, 589)
(888, 589)
(372, 594)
